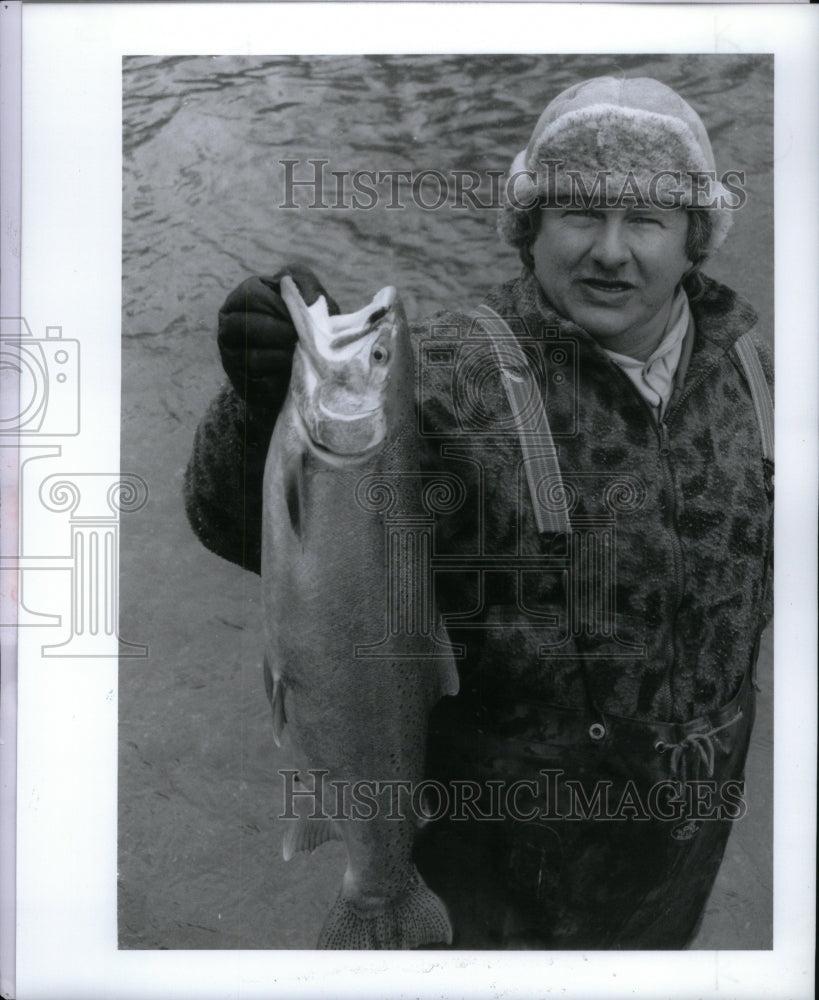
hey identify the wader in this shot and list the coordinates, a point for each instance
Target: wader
(611, 834)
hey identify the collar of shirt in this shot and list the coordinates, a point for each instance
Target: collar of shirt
(654, 378)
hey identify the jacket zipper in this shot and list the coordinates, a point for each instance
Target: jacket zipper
(666, 695)
(666, 701)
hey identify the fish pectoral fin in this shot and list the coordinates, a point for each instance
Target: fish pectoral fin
(412, 919)
(448, 677)
(277, 704)
(427, 812)
(442, 674)
(306, 834)
(275, 688)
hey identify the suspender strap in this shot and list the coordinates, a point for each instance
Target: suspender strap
(535, 436)
(763, 404)
(760, 394)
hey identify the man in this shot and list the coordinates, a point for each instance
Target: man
(607, 571)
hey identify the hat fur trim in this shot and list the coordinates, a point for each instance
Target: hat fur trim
(623, 143)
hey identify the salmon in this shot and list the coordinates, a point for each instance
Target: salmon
(352, 696)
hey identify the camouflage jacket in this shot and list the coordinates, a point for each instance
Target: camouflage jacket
(651, 607)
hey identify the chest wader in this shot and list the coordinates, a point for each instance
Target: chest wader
(572, 828)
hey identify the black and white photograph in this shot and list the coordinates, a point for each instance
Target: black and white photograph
(515, 645)
(402, 569)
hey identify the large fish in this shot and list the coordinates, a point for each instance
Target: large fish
(353, 710)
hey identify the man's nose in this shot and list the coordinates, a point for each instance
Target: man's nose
(610, 248)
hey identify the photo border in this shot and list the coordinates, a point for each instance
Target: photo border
(67, 717)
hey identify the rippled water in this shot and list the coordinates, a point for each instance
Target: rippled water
(204, 137)
(200, 862)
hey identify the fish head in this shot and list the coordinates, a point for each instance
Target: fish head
(350, 374)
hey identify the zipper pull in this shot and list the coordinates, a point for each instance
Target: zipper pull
(665, 440)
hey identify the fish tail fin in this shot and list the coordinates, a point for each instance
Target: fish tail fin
(275, 693)
(307, 834)
(412, 920)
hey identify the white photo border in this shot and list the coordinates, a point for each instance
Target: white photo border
(67, 716)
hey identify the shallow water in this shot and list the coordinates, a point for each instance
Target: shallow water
(203, 141)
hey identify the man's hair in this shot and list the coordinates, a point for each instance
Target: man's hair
(700, 228)
(526, 225)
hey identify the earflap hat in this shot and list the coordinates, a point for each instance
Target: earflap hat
(616, 142)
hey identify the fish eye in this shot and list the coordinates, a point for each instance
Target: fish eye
(380, 354)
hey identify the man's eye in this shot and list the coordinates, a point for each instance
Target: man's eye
(647, 219)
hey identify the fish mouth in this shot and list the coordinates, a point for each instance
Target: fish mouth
(352, 327)
(344, 372)
(333, 339)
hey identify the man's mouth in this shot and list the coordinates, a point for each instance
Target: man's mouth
(607, 285)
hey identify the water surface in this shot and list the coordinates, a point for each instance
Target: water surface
(203, 139)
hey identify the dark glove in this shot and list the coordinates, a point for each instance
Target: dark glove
(257, 337)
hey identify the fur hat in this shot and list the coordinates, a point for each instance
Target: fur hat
(617, 142)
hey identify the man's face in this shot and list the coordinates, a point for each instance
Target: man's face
(613, 271)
